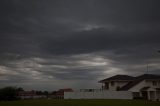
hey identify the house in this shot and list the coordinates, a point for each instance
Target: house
(60, 93)
(89, 90)
(146, 86)
(30, 95)
(116, 82)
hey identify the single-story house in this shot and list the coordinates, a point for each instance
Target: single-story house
(146, 86)
(60, 93)
(30, 95)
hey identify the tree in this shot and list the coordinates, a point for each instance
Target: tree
(46, 93)
(19, 89)
(9, 93)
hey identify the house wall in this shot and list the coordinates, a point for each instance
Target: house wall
(142, 84)
(106, 94)
(137, 87)
(33, 97)
(150, 83)
(158, 95)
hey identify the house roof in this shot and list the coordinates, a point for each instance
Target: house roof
(26, 93)
(144, 88)
(66, 90)
(139, 79)
(149, 89)
(118, 78)
(149, 77)
(157, 88)
(60, 92)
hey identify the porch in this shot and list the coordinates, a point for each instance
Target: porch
(150, 93)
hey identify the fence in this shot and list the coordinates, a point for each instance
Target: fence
(106, 94)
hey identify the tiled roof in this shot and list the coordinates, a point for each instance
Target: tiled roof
(148, 76)
(66, 90)
(118, 78)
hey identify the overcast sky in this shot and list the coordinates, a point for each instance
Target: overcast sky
(52, 44)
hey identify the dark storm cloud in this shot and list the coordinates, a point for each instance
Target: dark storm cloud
(54, 18)
(71, 40)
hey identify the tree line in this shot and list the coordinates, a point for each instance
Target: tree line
(11, 93)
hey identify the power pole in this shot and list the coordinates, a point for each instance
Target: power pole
(147, 68)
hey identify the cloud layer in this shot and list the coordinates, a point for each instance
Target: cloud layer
(74, 43)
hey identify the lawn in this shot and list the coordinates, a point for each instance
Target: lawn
(79, 103)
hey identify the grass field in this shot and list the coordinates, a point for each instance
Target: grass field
(79, 103)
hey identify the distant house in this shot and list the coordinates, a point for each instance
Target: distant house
(145, 86)
(60, 93)
(30, 95)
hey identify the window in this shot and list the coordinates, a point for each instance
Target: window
(112, 83)
(118, 88)
(154, 83)
(106, 86)
(136, 95)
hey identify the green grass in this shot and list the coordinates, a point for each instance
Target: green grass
(79, 103)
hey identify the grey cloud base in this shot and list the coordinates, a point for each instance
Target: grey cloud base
(66, 43)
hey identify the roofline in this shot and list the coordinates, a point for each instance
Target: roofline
(113, 80)
(152, 79)
(135, 84)
(141, 81)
